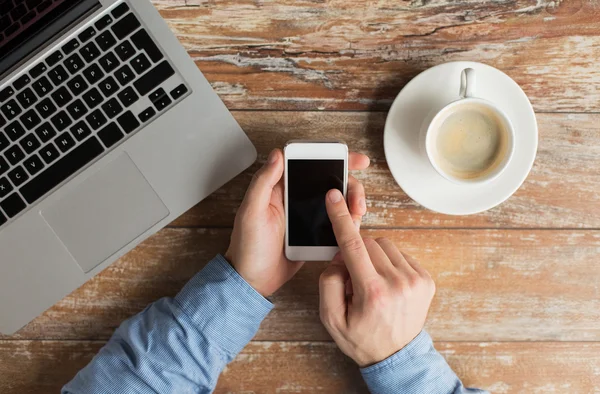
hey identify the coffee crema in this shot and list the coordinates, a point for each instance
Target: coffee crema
(471, 141)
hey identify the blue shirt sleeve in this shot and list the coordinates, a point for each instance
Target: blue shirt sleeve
(416, 369)
(181, 344)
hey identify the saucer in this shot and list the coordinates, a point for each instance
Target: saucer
(406, 126)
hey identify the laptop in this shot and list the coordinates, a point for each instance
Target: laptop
(108, 132)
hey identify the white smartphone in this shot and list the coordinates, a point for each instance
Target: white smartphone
(311, 170)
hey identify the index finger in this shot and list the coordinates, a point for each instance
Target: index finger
(351, 245)
(358, 161)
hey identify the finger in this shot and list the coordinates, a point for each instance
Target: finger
(260, 189)
(352, 248)
(380, 259)
(358, 161)
(332, 296)
(356, 200)
(415, 264)
(395, 256)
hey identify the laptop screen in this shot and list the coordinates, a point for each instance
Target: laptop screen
(26, 25)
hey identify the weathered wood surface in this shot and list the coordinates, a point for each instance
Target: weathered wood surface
(493, 285)
(354, 54)
(562, 190)
(33, 367)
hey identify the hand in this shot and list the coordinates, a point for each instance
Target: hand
(256, 250)
(391, 292)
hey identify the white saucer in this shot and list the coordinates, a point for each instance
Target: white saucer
(413, 110)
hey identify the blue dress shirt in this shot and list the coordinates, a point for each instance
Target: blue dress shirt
(181, 345)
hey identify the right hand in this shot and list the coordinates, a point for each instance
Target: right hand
(390, 292)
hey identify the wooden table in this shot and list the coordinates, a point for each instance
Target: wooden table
(517, 307)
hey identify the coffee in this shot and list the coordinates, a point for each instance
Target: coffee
(472, 141)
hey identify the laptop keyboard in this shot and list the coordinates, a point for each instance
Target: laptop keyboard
(105, 83)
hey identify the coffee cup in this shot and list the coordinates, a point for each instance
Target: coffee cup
(471, 140)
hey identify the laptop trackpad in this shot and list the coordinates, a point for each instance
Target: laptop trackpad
(106, 212)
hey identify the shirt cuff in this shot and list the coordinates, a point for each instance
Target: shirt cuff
(416, 368)
(223, 305)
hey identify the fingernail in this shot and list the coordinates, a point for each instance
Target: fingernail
(357, 224)
(273, 157)
(335, 196)
(363, 204)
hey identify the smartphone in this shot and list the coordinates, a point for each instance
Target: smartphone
(311, 170)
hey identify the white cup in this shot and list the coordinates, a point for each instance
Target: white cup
(467, 92)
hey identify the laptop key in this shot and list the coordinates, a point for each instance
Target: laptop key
(30, 119)
(38, 70)
(143, 41)
(80, 131)
(74, 64)
(21, 82)
(62, 169)
(112, 108)
(92, 98)
(128, 122)
(61, 121)
(2, 219)
(147, 114)
(108, 86)
(109, 62)
(54, 58)
(153, 78)
(61, 97)
(3, 142)
(27, 98)
(46, 108)
(140, 63)
(76, 109)
(42, 86)
(179, 91)
(45, 132)
(77, 85)
(110, 135)
(120, 10)
(14, 131)
(125, 26)
(6, 93)
(29, 143)
(87, 34)
(44, 6)
(125, 50)
(33, 165)
(103, 22)
(96, 119)
(106, 40)
(3, 165)
(58, 75)
(11, 109)
(64, 142)
(18, 176)
(70, 46)
(93, 74)
(128, 96)
(5, 187)
(12, 205)
(49, 153)
(162, 102)
(14, 155)
(89, 52)
(124, 75)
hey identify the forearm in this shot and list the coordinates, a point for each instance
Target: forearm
(416, 369)
(179, 344)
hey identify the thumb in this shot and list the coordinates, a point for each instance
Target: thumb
(264, 180)
(332, 295)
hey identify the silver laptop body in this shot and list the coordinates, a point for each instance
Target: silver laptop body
(136, 138)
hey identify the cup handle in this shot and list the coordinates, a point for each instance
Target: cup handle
(467, 83)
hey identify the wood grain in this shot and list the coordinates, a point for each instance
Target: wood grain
(560, 192)
(304, 367)
(493, 285)
(356, 54)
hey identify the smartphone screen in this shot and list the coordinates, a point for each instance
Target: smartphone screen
(308, 183)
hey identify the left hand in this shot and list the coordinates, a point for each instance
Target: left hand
(256, 250)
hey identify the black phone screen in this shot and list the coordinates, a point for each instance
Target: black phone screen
(308, 183)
